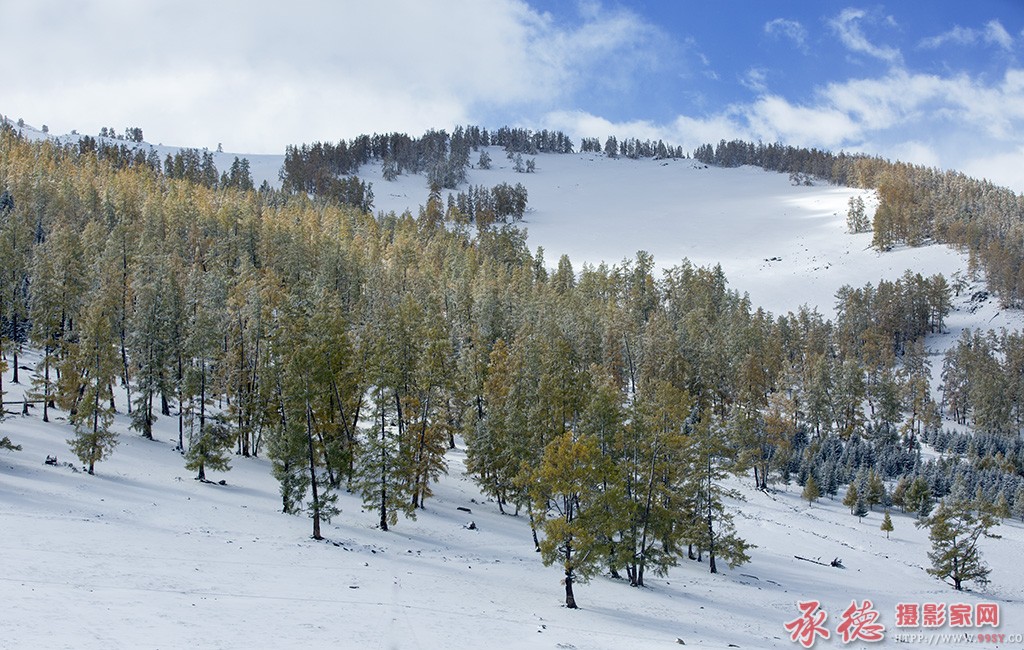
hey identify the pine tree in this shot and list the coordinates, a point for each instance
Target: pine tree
(147, 340)
(383, 475)
(209, 449)
(875, 492)
(16, 240)
(955, 529)
(851, 498)
(93, 364)
(712, 530)
(887, 524)
(652, 452)
(208, 440)
(1018, 503)
(428, 431)
(568, 504)
(1001, 508)
(811, 492)
(313, 351)
(899, 493)
(860, 509)
(919, 497)
(856, 219)
(47, 328)
(495, 450)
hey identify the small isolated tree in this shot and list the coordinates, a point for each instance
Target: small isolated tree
(568, 503)
(955, 530)
(851, 498)
(210, 449)
(811, 491)
(860, 508)
(887, 524)
(485, 160)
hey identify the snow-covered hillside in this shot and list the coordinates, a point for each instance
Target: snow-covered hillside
(785, 245)
(263, 167)
(143, 556)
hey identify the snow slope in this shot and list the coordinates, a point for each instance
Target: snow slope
(142, 556)
(784, 245)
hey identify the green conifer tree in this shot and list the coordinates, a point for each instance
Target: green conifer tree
(851, 498)
(94, 364)
(887, 524)
(811, 492)
(955, 530)
(567, 500)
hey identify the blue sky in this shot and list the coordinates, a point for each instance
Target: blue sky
(939, 83)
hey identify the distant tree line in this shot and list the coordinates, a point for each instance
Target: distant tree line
(631, 148)
(194, 165)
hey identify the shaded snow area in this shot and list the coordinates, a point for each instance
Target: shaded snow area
(143, 556)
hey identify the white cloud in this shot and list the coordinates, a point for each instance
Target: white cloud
(958, 36)
(779, 120)
(956, 122)
(756, 79)
(996, 34)
(260, 74)
(847, 26)
(791, 29)
(993, 34)
(1005, 168)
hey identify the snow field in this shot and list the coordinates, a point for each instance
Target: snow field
(142, 556)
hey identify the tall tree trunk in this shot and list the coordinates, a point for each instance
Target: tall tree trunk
(711, 526)
(123, 326)
(14, 355)
(383, 471)
(95, 416)
(46, 384)
(312, 475)
(202, 413)
(570, 599)
(181, 405)
(533, 530)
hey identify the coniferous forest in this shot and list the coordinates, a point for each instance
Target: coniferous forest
(608, 404)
